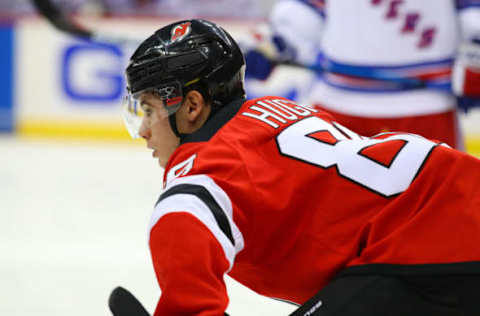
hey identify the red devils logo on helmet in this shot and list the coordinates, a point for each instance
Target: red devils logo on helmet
(180, 31)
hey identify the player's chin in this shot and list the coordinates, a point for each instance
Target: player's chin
(162, 162)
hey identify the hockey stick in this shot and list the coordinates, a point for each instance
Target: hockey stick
(55, 16)
(67, 24)
(122, 303)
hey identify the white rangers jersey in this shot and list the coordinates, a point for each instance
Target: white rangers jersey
(378, 52)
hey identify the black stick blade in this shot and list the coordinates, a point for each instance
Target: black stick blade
(122, 303)
(59, 19)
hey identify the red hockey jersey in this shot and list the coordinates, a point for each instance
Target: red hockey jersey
(282, 198)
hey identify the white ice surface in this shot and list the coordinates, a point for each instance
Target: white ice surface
(73, 226)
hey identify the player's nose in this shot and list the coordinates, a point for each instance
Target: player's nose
(144, 131)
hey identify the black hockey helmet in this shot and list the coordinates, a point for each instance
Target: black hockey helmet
(186, 55)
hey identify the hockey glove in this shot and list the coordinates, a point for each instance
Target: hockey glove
(258, 66)
(263, 50)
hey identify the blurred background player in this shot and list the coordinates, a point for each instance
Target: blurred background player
(386, 64)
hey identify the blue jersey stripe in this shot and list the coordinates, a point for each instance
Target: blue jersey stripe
(384, 78)
(465, 4)
(317, 5)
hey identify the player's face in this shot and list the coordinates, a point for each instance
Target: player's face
(155, 128)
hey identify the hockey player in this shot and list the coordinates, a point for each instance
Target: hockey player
(289, 202)
(386, 64)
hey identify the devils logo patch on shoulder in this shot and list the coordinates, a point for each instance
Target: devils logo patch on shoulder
(180, 31)
(179, 170)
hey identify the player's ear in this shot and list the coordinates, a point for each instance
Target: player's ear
(194, 106)
(193, 113)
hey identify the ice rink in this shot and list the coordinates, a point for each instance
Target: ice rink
(74, 219)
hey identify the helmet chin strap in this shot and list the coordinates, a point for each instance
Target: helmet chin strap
(173, 124)
(172, 118)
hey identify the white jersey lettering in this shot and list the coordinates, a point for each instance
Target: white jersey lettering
(273, 112)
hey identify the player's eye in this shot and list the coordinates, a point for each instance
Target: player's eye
(148, 111)
(146, 108)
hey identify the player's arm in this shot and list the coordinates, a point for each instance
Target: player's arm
(466, 69)
(193, 242)
(291, 36)
(189, 266)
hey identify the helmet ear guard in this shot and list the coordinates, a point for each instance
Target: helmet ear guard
(184, 56)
